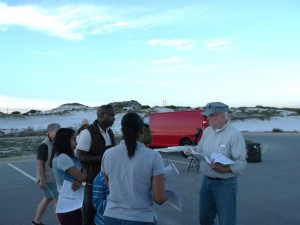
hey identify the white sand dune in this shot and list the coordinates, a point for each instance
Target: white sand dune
(73, 119)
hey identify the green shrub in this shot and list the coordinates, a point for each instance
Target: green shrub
(31, 132)
(276, 130)
(32, 111)
(145, 107)
(171, 106)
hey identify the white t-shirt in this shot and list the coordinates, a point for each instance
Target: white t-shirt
(84, 141)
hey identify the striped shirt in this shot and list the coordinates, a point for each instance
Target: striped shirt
(100, 193)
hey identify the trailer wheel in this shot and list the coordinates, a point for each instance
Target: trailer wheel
(185, 142)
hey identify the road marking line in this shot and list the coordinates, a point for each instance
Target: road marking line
(21, 171)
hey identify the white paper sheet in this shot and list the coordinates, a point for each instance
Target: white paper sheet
(199, 156)
(69, 200)
(215, 157)
(171, 171)
(220, 158)
(174, 199)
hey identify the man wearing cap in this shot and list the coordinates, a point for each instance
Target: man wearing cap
(44, 174)
(219, 184)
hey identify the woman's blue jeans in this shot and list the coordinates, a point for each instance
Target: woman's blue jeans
(114, 221)
(218, 197)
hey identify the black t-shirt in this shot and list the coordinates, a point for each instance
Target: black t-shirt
(42, 152)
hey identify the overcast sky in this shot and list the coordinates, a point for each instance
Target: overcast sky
(184, 53)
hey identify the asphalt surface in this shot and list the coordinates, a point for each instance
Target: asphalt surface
(268, 191)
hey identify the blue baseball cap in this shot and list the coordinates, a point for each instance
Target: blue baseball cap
(214, 107)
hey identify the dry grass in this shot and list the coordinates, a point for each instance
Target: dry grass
(23, 146)
(19, 146)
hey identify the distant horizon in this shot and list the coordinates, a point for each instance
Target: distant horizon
(9, 110)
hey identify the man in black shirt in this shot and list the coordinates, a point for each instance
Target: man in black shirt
(45, 176)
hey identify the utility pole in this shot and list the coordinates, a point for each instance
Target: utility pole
(164, 103)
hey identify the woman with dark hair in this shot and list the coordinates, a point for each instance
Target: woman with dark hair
(69, 175)
(135, 177)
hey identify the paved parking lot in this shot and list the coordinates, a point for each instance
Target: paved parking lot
(268, 191)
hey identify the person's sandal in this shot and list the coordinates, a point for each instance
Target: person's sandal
(35, 223)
